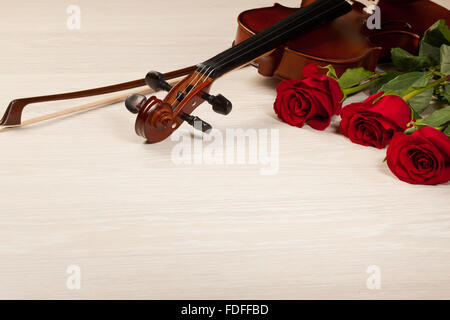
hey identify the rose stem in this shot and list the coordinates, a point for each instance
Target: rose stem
(429, 86)
(363, 86)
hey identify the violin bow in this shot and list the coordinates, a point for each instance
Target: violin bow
(12, 117)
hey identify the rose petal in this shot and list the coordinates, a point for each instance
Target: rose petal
(309, 70)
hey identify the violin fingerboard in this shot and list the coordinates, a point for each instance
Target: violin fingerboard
(303, 20)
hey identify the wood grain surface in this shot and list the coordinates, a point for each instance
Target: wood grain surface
(85, 190)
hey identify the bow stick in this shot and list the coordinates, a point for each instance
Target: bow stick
(13, 114)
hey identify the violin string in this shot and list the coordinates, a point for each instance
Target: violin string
(202, 72)
(270, 34)
(239, 53)
(198, 72)
(190, 82)
(203, 76)
(211, 70)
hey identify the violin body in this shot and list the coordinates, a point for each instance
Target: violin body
(404, 22)
(345, 42)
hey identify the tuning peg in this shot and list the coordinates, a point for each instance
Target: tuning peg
(197, 123)
(134, 102)
(219, 103)
(155, 80)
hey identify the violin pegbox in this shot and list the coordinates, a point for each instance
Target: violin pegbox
(158, 119)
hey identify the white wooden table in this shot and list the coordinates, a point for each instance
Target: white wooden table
(87, 191)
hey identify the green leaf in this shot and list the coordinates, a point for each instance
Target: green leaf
(447, 131)
(405, 61)
(415, 115)
(445, 59)
(353, 77)
(384, 79)
(446, 92)
(331, 71)
(423, 81)
(433, 53)
(421, 102)
(437, 35)
(438, 118)
(403, 82)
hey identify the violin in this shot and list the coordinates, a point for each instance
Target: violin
(279, 41)
(345, 42)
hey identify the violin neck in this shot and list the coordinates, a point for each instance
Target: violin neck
(303, 20)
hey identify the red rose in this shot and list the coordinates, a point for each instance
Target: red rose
(374, 124)
(420, 158)
(314, 99)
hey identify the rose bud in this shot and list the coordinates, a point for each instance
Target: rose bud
(420, 158)
(371, 123)
(313, 100)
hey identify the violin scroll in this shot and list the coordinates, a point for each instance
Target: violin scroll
(155, 120)
(158, 119)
